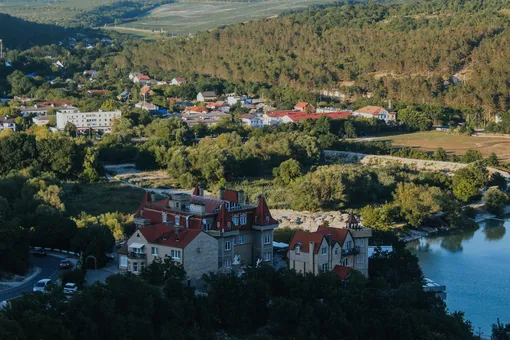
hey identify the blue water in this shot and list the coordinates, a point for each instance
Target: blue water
(475, 267)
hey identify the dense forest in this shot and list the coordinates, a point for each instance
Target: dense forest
(20, 34)
(449, 53)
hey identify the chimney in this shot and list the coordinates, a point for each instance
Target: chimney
(153, 198)
(240, 197)
(201, 190)
(222, 193)
(311, 253)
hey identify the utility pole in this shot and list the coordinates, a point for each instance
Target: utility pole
(1, 50)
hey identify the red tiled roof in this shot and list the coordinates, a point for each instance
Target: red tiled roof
(342, 271)
(195, 109)
(165, 235)
(210, 203)
(174, 99)
(283, 113)
(180, 80)
(352, 219)
(372, 110)
(221, 219)
(142, 77)
(337, 234)
(247, 116)
(146, 89)
(301, 105)
(304, 239)
(340, 114)
(262, 213)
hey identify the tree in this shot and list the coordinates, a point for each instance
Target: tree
(417, 202)
(380, 218)
(495, 201)
(159, 271)
(350, 130)
(414, 119)
(468, 181)
(288, 172)
(492, 160)
(500, 332)
(91, 165)
(109, 105)
(471, 156)
(440, 155)
(20, 84)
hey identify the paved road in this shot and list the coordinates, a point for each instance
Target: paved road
(49, 270)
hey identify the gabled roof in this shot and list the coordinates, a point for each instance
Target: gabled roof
(342, 271)
(337, 235)
(247, 116)
(180, 80)
(262, 213)
(143, 77)
(371, 110)
(165, 235)
(146, 89)
(302, 105)
(283, 113)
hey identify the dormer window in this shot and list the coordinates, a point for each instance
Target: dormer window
(243, 219)
(235, 220)
(164, 217)
(177, 205)
(298, 249)
(267, 219)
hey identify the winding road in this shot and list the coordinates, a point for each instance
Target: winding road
(49, 270)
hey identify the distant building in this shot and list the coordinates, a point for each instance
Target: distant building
(253, 121)
(7, 123)
(304, 107)
(331, 249)
(178, 81)
(43, 120)
(207, 96)
(43, 108)
(141, 79)
(147, 106)
(194, 109)
(372, 112)
(123, 96)
(101, 120)
(90, 73)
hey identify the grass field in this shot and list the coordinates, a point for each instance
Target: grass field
(452, 143)
(191, 17)
(100, 198)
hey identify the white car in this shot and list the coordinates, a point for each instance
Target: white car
(42, 285)
(70, 288)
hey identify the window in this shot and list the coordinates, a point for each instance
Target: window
(228, 245)
(324, 267)
(123, 262)
(234, 240)
(267, 219)
(177, 204)
(135, 267)
(164, 217)
(235, 220)
(243, 219)
(227, 263)
(298, 250)
(154, 251)
(345, 262)
(267, 257)
(177, 220)
(348, 244)
(267, 238)
(324, 250)
(336, 251)
(241, 239)
(175, 254)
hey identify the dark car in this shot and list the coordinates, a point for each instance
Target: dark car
(65, 264)
(39, 252)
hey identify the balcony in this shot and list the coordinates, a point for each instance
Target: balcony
(352, 251)
(136, 256)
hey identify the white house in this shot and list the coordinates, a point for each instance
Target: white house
(206, 96)
(101, 120)
(372, 112)
(7, 123)
(178, 81)
(252, 120)
(147, 106)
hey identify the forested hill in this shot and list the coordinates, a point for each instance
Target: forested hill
(19, 34)
(404, 52)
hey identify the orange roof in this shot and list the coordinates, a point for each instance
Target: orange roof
(142, 77)
(195, 108)
(146, 89)
(337, 235)
(301, 105)
(371, 110)
(166, 236)
(342, 271)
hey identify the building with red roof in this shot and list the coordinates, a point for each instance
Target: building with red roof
(376, 112)
(178, 81)
(292, 116)
(330, 247)
(304, 107)
(242, 233)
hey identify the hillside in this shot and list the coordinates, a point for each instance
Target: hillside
(402, 52)
(18, 33)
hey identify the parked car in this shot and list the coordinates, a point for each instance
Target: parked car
(42, 285)
(39, 252)
(70, 288)
(65, 264)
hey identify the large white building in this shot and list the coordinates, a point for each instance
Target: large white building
(101, 120)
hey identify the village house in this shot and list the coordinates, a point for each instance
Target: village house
(194, 109)
(146, 91)
(44, 107)
(7, 123)
(147, 106)
(251, 120)
(215, 105)
(90, 73)
(243, 232)
(178, 81)
(44, 120)
(124, 96)
(141, 79)
(337, 249)
(376, 112)
(304, 107)
(207, 96)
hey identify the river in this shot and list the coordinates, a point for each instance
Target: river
(475, 267)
